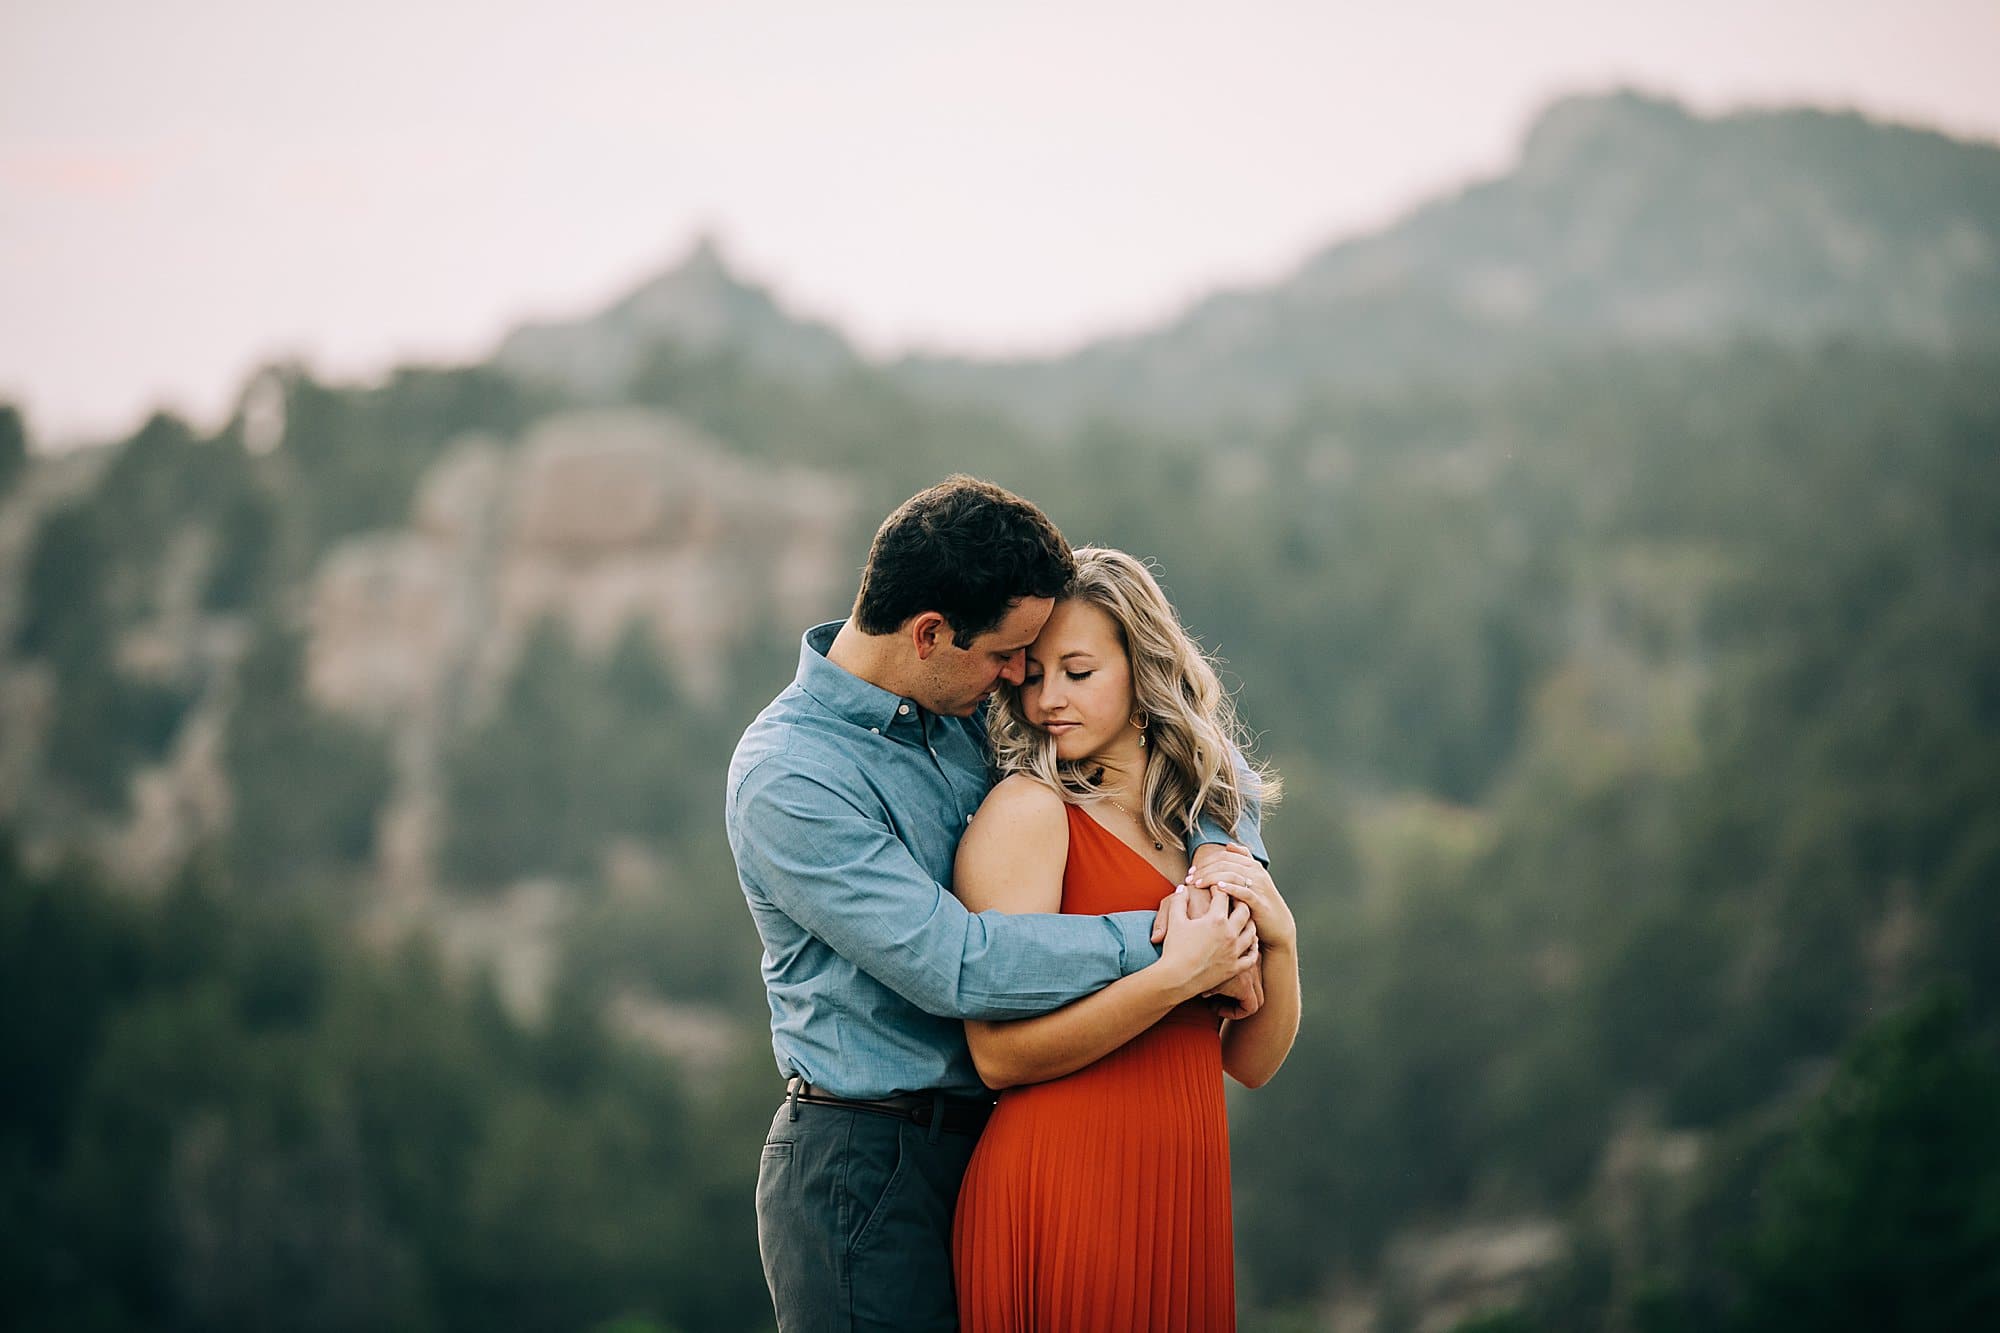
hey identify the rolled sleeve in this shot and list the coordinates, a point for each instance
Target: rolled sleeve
(1249, 829)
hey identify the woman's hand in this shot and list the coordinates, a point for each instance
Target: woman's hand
(1234, 871)
(1204, 950)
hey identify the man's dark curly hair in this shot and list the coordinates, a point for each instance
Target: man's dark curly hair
(966, 549)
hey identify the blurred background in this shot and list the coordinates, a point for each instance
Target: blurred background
(428, 428)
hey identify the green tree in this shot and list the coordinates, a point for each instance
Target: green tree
(13, 446)
(1885, 1212)
(307, 785)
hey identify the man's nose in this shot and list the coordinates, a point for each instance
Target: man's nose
(1016, 669)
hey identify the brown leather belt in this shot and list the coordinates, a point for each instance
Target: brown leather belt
(935, 1111)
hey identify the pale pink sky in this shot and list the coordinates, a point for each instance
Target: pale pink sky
(189, 187)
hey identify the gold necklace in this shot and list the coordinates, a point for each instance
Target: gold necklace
(1158, 846)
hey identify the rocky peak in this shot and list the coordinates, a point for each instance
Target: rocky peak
(701, 299)
(701, 304)
(1588, 130)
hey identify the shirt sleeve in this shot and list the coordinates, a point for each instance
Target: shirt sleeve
(1249, 825)
(843, 875)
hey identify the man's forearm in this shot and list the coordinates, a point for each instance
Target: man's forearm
(1019, 966)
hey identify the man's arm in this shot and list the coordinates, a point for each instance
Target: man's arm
(1248, 831)
(845, 877)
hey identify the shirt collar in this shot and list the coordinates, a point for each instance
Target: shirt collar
(843, 693)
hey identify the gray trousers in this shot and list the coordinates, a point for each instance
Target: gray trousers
(854, 1216)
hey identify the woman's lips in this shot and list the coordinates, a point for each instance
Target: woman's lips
(1058, 728)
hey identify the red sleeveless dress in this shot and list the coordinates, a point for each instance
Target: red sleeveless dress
(1100, 1201)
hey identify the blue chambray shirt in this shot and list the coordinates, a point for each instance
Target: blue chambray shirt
(844, 809)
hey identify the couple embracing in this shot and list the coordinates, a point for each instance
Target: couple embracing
(1094, 937)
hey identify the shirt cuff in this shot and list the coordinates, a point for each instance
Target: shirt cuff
(1250, 837)
(1135, 936)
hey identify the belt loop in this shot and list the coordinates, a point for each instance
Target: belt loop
(937, 1116)
(792, 1087)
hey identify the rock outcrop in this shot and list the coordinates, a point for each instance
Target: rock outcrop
(600, 519)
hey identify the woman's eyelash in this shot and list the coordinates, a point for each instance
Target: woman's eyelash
(1081, 675)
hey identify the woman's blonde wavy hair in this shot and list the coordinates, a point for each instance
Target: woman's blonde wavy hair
(1190, 722)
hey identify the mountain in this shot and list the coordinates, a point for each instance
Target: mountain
(699, 305)
(1626, 219)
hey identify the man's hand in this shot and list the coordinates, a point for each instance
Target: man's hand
(1207, 855)
(1234, 871)
(1197, 904)
(1241, 996)
(1208, 862)
(1203, 952)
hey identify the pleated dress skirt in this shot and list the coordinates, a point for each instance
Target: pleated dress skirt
(1099, 1202)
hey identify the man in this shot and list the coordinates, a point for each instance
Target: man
(845, 803)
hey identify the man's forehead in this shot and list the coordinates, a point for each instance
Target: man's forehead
(1019, 627)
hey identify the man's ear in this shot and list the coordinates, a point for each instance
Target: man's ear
(928, 632)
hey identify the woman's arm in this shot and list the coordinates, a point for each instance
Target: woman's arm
(1011, 860)
(1253, 1048)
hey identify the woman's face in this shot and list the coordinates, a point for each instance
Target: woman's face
(1078, 686)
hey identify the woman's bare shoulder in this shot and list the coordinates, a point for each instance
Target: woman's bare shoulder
(1025, 799)
(1013, 851)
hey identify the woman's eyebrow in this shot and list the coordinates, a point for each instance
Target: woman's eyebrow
(1078, 652)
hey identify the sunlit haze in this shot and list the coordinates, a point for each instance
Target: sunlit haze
(189, 189)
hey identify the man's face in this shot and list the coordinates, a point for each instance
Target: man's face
(959, 679)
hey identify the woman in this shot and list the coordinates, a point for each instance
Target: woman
(1098, 1196)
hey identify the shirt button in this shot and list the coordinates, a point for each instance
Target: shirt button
(902, 708)
(875, 730)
